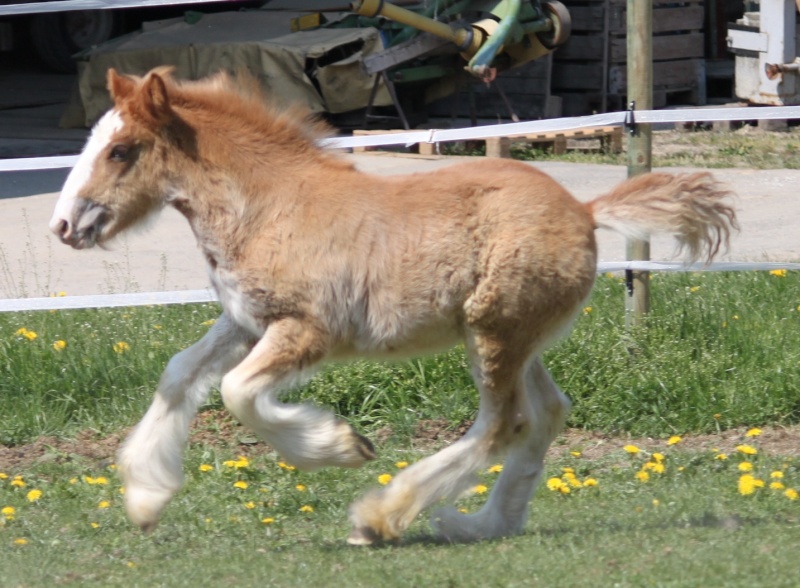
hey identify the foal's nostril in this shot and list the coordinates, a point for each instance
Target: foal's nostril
(63, 229)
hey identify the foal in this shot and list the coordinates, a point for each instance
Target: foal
(314, 261)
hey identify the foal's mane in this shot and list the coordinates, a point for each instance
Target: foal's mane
(238, 104)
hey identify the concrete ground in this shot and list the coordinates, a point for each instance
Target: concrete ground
(165, 257)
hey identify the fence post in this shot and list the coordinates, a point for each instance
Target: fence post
(640, 95)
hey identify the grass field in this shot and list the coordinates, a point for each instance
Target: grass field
(719, 351)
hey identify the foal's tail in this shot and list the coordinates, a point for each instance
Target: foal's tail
(692, 207)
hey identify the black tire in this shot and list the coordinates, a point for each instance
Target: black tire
(562, 25)
(58, 36)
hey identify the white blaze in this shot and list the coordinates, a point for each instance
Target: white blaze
(101, 136)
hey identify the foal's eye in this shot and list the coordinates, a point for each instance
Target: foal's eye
(119, 153)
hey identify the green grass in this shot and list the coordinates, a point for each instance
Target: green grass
(718, 351)
(688, 526)
(745, 148)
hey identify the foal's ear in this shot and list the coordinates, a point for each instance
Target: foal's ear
(119, 86)
(155, 98)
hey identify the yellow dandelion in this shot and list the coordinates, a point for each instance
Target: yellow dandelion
(300, 488)
(721, 456)
(73, 480)
(496, 469)
(780, 273)
(746, 449)
(20, 541)
(791, 494)
(122, 489)
(573, 481)
(241, 484)
(658, 457)
(204, 467)
(34, 495)
(130, 564)
(776, 486)
(590, 482)
(121, 347)
(656, 502)
(3, 476)
(209, 322)
(564, 489)
(285, 466)
(694, 289)
(18, 482)
(568, 470)
(401, 465)
(575, 453)
(268, 520)
(384, 479)
(587, 310)
(60, 345)
(95, 525)
(642, 476)
(104, 504)
(480, 489)
(674, 440)
(306, 508)
(8, 512)
(632, 449)
(776, 475)
(754, 432)
(250, 505)
(555, 484)
(745, 466)
(463, 510)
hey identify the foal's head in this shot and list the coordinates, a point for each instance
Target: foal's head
(122, 175)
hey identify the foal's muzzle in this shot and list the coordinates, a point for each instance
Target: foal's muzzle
(85, 227)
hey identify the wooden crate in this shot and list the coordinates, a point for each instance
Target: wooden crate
(590, 72)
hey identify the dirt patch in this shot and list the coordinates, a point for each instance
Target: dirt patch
(218, 429)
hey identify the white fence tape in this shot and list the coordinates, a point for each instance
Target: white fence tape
(205, 296)
(501, 130)
(65, 5)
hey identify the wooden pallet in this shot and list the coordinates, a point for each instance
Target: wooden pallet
(610, 140)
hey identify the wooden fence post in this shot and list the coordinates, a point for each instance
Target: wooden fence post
(640, 95)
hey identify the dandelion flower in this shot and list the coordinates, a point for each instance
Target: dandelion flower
(250, 505)
(306, 508)
(791, 494)
(34, 495)
(575, 453)
(60, 345)
(587, 310)
(656, 502)
(103, 504)
(20, 541)
(8, 512)
(209, 322)
(285, 466)
(590, 482)
(29, 335)
(555, 484)
(496, 469)
(205, 467)
(754, 432)
(780, 273)
(3, 476)
(776, 486)
(268, 520)
(18, 482)
(384, 479)
(674, 440)
(241, 484)
(642, 476)
(748, 484)
(400, 465)
(721, 456)
(95, 525)
(300, 488)
(658, 457)
(694, 289)
(745, 466)
(632, 449)
(746, 449)
(480, 489)
(776, 475)
(121, 347)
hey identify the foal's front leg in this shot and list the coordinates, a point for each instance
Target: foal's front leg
(305, 435)
(150, 459)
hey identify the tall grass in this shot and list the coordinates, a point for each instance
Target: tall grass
(717, 351)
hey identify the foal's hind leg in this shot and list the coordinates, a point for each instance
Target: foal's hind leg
(150, 459)
(497, 365)
(306, 436)
(506, 510)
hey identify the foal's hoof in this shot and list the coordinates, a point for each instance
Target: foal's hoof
(363, 536)
(355, 448)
